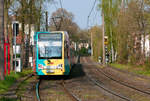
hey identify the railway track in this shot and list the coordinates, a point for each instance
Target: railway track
(25, 97)
(109, 76)
(13, 93)
(97, 83)
(62, 83)
(108, 90)
(19, 85)
(122, 83)
(71, 95)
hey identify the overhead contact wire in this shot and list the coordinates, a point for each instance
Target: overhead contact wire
(91, 13)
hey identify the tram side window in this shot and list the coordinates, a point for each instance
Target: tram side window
(66, 50)
(34, 50)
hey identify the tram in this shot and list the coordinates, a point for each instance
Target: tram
(52, 53)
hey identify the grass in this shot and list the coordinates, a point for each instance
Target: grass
(8, 99)
(142, 70)
(11, 79)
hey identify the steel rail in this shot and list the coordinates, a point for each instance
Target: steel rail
(27, 77)
(19, 85)
(37, 90)
(122, 83)
(109, 91)
(71, 95)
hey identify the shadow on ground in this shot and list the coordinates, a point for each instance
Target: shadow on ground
(77, 71)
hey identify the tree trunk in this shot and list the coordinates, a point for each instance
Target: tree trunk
(39, 17)
(2, 39)
(112, 48)
(22, 33)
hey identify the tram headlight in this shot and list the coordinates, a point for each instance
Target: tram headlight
(60, 66)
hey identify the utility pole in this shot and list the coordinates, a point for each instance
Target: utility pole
(103, 24)
(91, 45)
(14, 33)
(57, 23)
(1, 39)
(46, 13)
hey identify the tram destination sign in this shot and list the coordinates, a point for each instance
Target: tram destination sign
(50, 36)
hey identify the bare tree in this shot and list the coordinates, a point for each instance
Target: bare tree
(63, 20)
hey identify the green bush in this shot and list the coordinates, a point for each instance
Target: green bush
(83, 52)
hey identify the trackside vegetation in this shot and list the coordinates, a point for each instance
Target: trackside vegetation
(11, 79)
(142, 70)
(127, 25)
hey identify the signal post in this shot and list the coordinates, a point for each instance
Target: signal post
(106, 49)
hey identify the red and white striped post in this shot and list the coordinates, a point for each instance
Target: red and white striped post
(6, 56)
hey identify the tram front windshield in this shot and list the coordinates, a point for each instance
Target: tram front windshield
(50, 46)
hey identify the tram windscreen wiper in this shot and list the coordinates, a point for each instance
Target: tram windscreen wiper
(50, 57)
(54, 57)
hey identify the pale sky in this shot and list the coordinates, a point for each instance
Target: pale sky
(81, 10)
